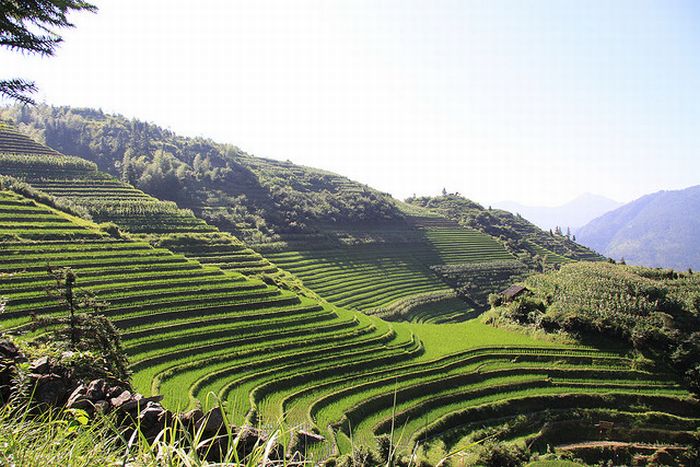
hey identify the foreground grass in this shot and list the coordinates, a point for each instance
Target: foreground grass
(69, 438)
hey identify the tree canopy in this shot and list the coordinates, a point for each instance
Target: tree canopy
(29, 26)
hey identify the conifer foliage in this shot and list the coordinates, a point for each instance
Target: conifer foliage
(29, 26)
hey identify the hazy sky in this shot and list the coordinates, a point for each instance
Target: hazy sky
(536, 102)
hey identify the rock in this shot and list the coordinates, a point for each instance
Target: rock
(307, 437)
(194, 415)
(10, 356)
(191, 419)
(9, 351)
(121, 399)
(83, 404)
(139, 403)
(213, 422)
(49, 389)
(103, 407)
(77, 395)
(96, 390)
(152, 420)
(40, 366)
(248, 439)
(113, 392)
(78, 400)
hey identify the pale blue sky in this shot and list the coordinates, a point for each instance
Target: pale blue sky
(535, 102)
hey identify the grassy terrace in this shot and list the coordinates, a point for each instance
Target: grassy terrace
(199, 333)
(362, 276)
(548, 256)
(456, 244)
(106, 199)
(430, 307)
(13, 141)
(196, 328)
(368, 276)
(176, 315)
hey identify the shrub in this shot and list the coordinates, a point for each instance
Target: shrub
(24, 189)
(111, 229)
(361, 457)
(495, 299)
(501, 455)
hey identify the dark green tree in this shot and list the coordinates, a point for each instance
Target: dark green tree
(28, 26)
(85, 329)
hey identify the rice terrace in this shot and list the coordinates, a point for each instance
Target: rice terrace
(172, 300)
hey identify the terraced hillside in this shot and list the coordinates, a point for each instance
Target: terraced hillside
(168, 305)
(458, 245)
(256, 199)
(304, 214)
(76, 182)
(364, 268)
(522, 238)
(192, 331)
(392, 263)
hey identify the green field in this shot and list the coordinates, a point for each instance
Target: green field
(198, 327)
(394, 266)
(198, 333)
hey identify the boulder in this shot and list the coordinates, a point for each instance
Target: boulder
(96, 390)
(138, 403)
(190, 420)
(248, 439)
(213, 422)
(40, 366)
(49, 388)
(113, 391)
(102, 407)
(10, 356)
(121, 399)
(152, 420)
(10, 352)
(77, 394)
(78, 400)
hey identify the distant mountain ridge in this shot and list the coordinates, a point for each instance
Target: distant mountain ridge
(657, 230)
(576, 213)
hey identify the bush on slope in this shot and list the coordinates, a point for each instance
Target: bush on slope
(655, 311)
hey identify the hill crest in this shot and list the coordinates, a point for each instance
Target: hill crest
(656, 230)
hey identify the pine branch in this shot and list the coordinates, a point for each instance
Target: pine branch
(18, 89)
(27, 26)
(42, 45)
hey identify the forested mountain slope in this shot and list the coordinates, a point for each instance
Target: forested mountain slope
(194, 330)
(257, 199)
(657, 230)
